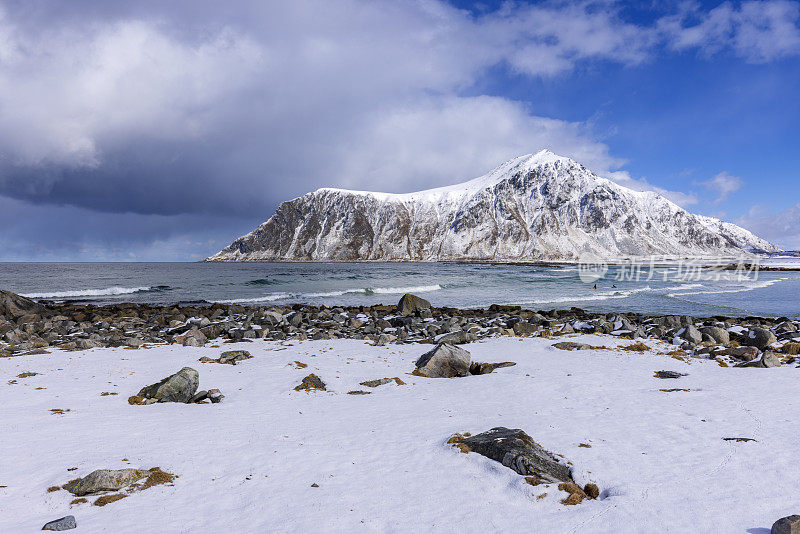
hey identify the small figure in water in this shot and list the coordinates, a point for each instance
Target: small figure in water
(613, 285)
(595, 286)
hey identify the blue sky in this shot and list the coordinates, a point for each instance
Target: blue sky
(161, 131)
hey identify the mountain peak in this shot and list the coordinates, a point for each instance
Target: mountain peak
(538, 206)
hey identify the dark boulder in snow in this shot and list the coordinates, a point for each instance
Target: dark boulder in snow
(515, 449)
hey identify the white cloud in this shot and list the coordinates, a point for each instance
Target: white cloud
(680, 198)
(723, 185)
(782, 228)
(756, 31)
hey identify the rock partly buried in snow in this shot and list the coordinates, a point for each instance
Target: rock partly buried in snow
(65, 523)
(787, 525)
(760, 338)
(105, 480)
(233, 356)
(515, 449)
(179, 387)
(768, 359)
(486, 368)
(310, 383)
(571, 345)
(411, 304)
(443, 361)
(668, 374)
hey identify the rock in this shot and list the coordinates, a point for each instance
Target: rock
(13, 306)
(591, 490)
(786, 525)
(792, 348)
(745, 354)
(105, 480)
(719, 335)
(668, 374)
(233, 356)
(199, 396)
(215, 396)
(133, 342)
(770, 359)
(65, 523)
(523, 328)
(411, 304)
(310, 383)
(692, 335)
(486, 368)
(760, 338)
(192, 338)
(517, 450)
(179, 387)
(457, 338)
(376, 383)
(385, 339)
(571, 345)
(443, 361)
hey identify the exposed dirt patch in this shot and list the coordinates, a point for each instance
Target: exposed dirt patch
(108, 499)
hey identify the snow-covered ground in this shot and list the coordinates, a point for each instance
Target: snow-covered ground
(380, 460)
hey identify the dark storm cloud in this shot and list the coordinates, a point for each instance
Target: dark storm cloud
(200, 111)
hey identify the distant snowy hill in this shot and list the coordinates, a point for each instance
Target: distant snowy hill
(534, 207)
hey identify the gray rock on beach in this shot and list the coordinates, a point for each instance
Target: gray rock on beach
(179, 387)
(444, 361)
(105, 480)
(719, 335)
(411, 304)
(65, 523)
(517, 450)
(760, 338)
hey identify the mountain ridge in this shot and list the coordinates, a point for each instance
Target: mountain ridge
(536, 207)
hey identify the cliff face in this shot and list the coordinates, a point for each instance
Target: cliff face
(535, 207)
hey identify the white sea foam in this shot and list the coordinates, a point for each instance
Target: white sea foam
(760, 284)
(109, 291)
(327, 294)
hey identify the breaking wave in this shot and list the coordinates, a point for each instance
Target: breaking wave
(107, 292)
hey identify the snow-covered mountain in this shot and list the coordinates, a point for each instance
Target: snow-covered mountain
(534, 207)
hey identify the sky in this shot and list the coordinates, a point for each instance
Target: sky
(161, 131)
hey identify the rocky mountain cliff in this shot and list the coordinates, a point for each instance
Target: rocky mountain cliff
(534, 207)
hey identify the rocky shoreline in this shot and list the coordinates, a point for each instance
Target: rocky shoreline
(29, 327)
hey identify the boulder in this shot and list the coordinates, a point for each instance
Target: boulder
(692, 334)
(719, 335)
(105, 480)
(769, 359)
(411, 304)
(459, 337)
(744, 354)
(786, 525)
(179, 387)
(13, 306)
(760, 338)
(65, 523)
(523, 328)
(515, 449)
(310, 383)
(443, 361)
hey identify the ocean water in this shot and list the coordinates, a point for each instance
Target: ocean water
(658, 290)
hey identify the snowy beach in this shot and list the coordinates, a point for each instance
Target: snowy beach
(380, 461)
